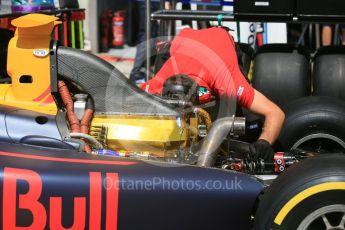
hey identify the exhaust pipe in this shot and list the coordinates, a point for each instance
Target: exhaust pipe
(219, 131)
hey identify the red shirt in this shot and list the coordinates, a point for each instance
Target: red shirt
(208, 56)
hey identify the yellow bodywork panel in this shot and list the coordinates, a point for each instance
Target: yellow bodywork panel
(7, 98)
(28, 65)
(153, 134)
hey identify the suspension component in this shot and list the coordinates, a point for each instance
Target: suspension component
(279, 163)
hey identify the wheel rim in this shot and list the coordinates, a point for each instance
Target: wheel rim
(331, 217)
(320, 142)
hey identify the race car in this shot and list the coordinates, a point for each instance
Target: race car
(83, 148)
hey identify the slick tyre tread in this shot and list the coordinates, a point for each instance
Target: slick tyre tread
(281, 73)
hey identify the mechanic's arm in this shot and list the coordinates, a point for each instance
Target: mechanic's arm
(274, 116)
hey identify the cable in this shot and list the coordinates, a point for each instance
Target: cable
(89, 138)
(205, 116)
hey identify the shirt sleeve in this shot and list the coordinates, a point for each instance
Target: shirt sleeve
(244, 91)
(232, 84)
(155, 85)
(230, 81)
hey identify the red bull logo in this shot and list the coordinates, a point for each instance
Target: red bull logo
(50, 216)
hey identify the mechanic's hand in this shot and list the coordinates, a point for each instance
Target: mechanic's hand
(261, 149)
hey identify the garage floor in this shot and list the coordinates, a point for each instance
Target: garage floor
(122, 59)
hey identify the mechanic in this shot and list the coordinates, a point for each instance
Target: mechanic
(208, 56)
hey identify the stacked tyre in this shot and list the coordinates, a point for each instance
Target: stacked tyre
(314, 123)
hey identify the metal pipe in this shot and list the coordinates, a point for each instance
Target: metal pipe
(336, 35)
(156, 16)
(310, 34)
(173, 22)
(161, 24)
(148, 38)
(239, 126)
(193, 12)
(212, 15)
(219, 131)
(317, 35)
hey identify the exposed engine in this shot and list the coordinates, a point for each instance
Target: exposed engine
(190, 138)
(163, 137)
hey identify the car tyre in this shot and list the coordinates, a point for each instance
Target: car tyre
(304, 195)
(314, 124)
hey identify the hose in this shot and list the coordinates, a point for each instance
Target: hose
(76, 126)
(89, 138)
(85, 121)
(84, 126)
(205, 116)
(68, 102)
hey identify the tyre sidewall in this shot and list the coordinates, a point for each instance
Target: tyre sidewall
(309, 205)
(320, 170)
